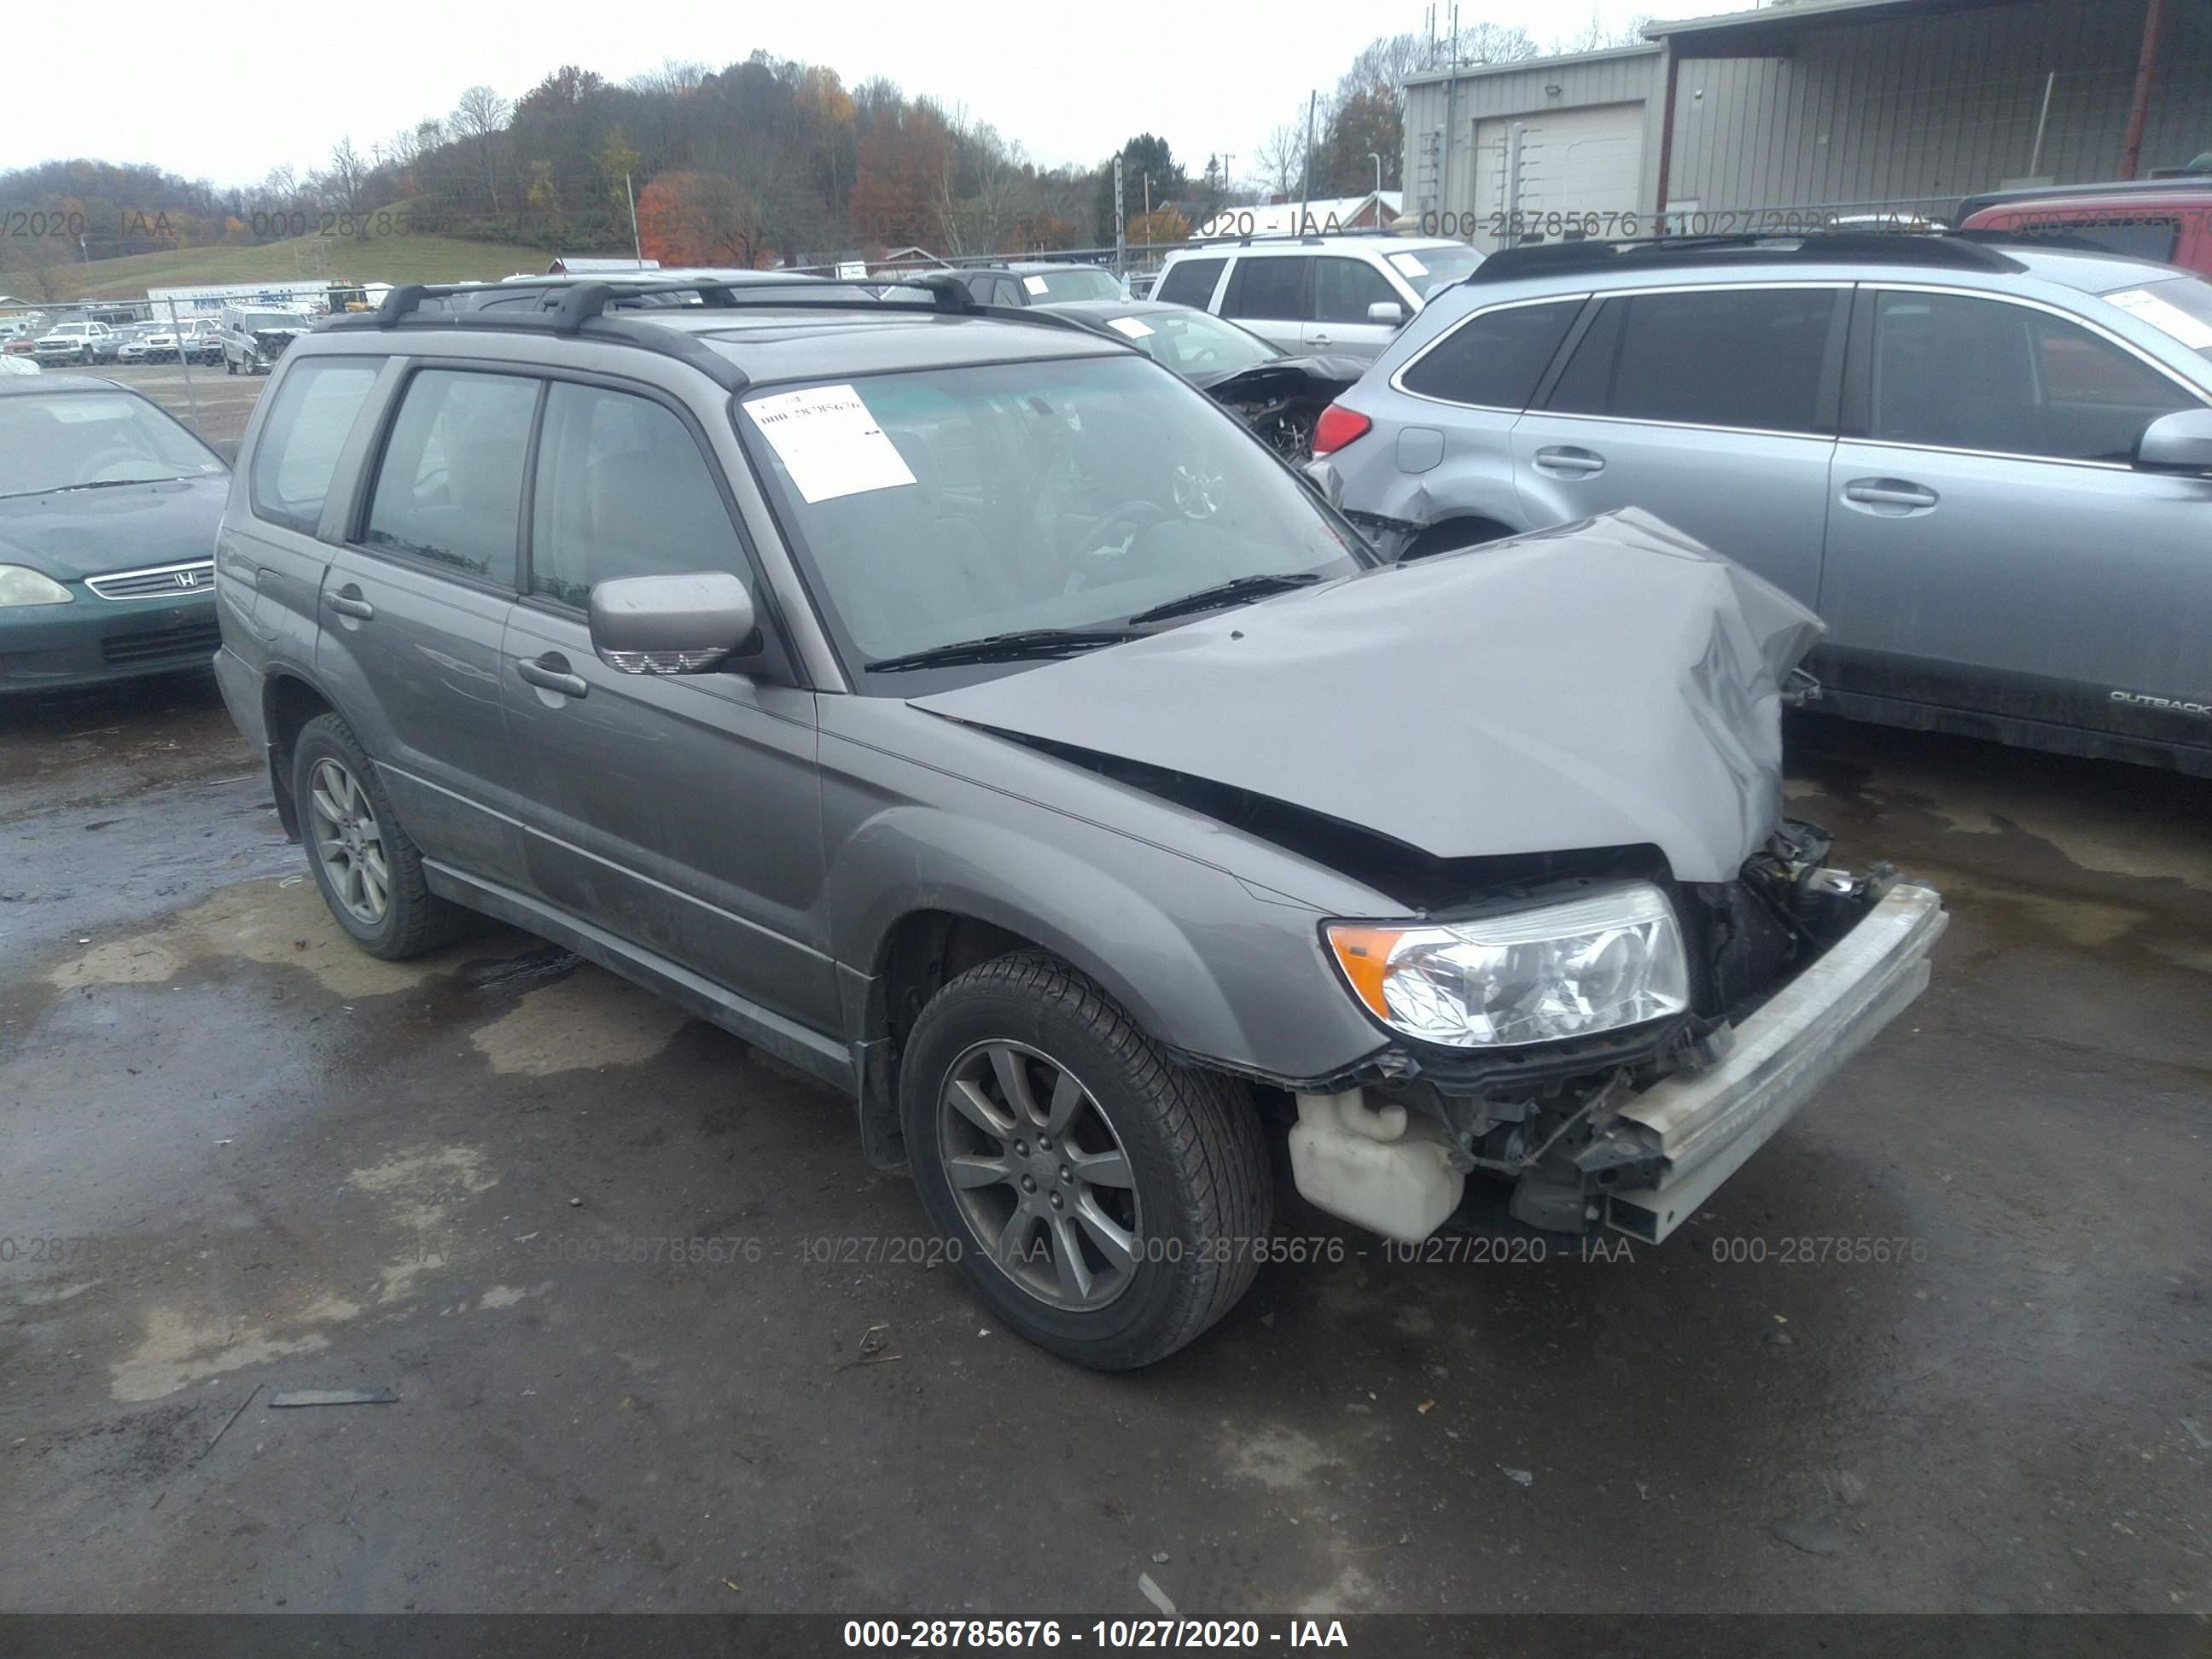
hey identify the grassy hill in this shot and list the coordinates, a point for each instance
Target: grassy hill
(405, 258)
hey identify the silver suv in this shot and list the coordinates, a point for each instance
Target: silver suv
(1344, 295)
(969, 712)
(1988, 468)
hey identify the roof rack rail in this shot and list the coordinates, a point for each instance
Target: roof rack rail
(1943, 250)
(581, 308)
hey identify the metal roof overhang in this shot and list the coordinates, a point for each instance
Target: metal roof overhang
(1776, 32)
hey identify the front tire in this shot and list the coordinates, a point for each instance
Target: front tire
(369, 869)
(1110, 1204)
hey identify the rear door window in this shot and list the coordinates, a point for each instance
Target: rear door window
(1756, 359)
(449, 489)
(300, 439)
(1496, 359)
(1190, 282)
(1269, 289)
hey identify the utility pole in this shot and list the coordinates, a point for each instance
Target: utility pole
(1305, 184)
(636, 241)
(1120, 223)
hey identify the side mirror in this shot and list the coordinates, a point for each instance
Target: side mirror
(1387, 311)
(228, 448)
(679, 624)
(2180, 442)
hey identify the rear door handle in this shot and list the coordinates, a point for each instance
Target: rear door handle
(347, 602)
(1888, 492)
(551, 673)
(1571, 462)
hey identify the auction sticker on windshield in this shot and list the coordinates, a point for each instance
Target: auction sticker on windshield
(1134, 327)
(829, 442)
(2164, 316)
(1035, 284)
(1408, 265)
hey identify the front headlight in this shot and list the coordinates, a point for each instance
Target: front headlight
(1606, 959)
(21, 586)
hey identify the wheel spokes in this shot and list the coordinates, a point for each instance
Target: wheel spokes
(1073, 1272)
(1118, 1246)
(973, 1104)
(971, 1172)
(1101, 1168)
(1014, 1082)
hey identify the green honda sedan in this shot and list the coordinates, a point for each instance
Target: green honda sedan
(108, 512)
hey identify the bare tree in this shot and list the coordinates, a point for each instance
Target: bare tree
(1597, 35)
(1385, 61)
(1281, 158)
(674, 75)
(345, 183)
(480, 117)
(1490, 43)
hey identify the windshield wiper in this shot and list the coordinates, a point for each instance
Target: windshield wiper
(1228, 593)
(99, 484)
(1004, 648)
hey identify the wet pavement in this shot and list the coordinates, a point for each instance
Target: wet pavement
(662, 1339)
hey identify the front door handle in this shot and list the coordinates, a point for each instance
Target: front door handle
(347, 602)
(1570, 462)
(551, 673)
(1888, 492)
(1318, 339)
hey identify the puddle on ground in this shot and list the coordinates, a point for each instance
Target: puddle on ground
(588, 1019)
(280, 921)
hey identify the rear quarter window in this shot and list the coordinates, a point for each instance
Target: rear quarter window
(307, 427)
(1190, 282)
(1494, 359)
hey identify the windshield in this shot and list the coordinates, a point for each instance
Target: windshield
(1428, 268)
(1194, 343)
(2181, 306)
(254, 322)
(948, 505)
(56, 440)
(1073, 283)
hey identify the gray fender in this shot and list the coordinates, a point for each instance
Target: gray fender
(914, 857)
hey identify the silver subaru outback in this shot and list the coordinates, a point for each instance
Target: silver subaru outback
(1988, 468)
(968, 710)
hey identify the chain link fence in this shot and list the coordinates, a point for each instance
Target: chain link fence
(170, 350)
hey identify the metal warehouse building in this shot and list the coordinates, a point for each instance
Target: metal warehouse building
(1837, 106)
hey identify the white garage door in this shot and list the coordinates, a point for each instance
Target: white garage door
(1577, 161)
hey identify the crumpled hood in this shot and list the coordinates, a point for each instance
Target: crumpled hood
(1282, 377)
(1610, 683)
(82, 533)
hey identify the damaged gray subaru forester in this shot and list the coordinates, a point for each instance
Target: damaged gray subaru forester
(961, 707)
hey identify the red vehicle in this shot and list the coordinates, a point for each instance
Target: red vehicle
(2169, 220)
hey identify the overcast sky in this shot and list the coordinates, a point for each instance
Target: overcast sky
(246, 91)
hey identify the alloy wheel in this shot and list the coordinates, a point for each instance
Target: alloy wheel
(349, 842)
(1040, 1175)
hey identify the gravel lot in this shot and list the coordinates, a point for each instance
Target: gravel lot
(276, 1163)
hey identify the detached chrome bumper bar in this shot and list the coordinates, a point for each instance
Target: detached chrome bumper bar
(1704, 1126)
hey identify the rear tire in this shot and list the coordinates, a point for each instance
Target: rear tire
(1023, 1083)
(367, 868)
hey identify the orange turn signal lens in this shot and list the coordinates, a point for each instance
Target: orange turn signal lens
(1363, 953)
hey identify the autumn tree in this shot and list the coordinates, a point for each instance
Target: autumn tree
(700, 219)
